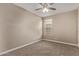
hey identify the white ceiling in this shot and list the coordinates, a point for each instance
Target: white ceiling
(60, 8)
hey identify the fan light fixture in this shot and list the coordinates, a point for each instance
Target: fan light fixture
(45, 10)
(45, 7)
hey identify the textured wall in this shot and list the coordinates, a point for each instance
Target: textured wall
(64, 27)
(17, 27)
(78, 27)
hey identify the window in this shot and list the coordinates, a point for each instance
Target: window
(48, 25)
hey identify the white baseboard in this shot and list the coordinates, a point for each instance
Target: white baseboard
(61, 42)
(10, 50)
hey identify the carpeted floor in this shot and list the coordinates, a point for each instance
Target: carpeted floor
(45, 48)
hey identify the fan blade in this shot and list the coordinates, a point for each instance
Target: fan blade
(52, 8)
(38, 9)
(41, 4)
(51, 3)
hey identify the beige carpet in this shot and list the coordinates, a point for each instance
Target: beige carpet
(45, 48)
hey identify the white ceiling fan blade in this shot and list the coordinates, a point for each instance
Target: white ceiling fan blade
(51, 3)
(52, 8)
(41, 4)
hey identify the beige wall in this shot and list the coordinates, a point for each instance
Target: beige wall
(64, 27)
(78, 27)
(17, 27)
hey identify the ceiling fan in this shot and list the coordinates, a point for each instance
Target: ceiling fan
(45, 7)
